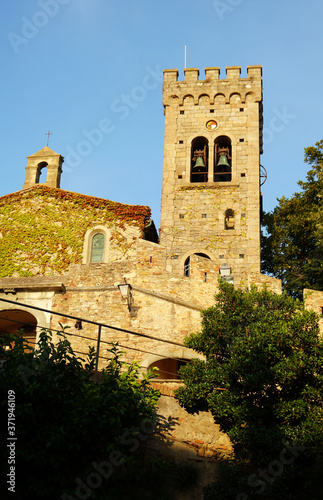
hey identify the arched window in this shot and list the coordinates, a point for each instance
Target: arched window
(40, 167)
(96, 245)
(229, 219)
(222, 159)
(199, 159)
(14, 320)
(97, 248)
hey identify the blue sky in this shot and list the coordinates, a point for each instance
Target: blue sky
(90, 71)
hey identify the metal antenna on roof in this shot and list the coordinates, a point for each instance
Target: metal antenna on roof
(185, 58)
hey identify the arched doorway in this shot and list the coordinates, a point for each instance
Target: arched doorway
(168, 368)
(13, 320)
(187, 263)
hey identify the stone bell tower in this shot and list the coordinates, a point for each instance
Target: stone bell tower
(45, 159)
(211, 175)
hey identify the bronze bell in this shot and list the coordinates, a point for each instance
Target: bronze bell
(199, 162)
(223, 161)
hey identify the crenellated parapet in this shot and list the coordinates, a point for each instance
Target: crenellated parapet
(213, 87)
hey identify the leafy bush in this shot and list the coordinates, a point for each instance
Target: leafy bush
(262, 379)
(71, 431)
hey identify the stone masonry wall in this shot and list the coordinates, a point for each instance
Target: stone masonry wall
(313, 300)
(164, 306)
(192, 214)
(197, 430)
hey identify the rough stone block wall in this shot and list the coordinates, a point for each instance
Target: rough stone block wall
(192, 214)
(261, 280)
(313, 300)
(163, 306)
(197, 430)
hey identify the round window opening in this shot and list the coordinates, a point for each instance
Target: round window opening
(211, 125)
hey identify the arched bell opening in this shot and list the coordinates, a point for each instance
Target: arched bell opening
(168, 368)
(199, 159)
(18, 321)
(41, 166)
(222, 159)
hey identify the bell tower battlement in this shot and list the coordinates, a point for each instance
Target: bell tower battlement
(211, 175)
(213, 85)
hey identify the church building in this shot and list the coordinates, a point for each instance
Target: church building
(103, 265)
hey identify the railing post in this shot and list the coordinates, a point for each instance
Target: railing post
(98, 349)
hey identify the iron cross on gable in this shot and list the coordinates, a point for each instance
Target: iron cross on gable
(48, 134)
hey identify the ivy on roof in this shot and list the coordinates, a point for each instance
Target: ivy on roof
(42, 229)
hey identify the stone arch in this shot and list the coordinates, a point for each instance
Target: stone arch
(199, 155)
(88, 244)
(235, 97)
(40, 167)
(14, 319)
(222, 159)
(204, 99)
(219, 98)
(169, 361)
(172, 99)
(185, 259)
(188, 99)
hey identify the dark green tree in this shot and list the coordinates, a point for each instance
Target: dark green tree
(292, 243)
(73, 434)
(262, 379)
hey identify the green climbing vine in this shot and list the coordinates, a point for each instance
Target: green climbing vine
(42, 229)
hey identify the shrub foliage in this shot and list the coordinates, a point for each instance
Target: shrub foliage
(65, 422)
(262, 379)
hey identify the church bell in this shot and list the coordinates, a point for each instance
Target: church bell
(223, 161)
(199, 163)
